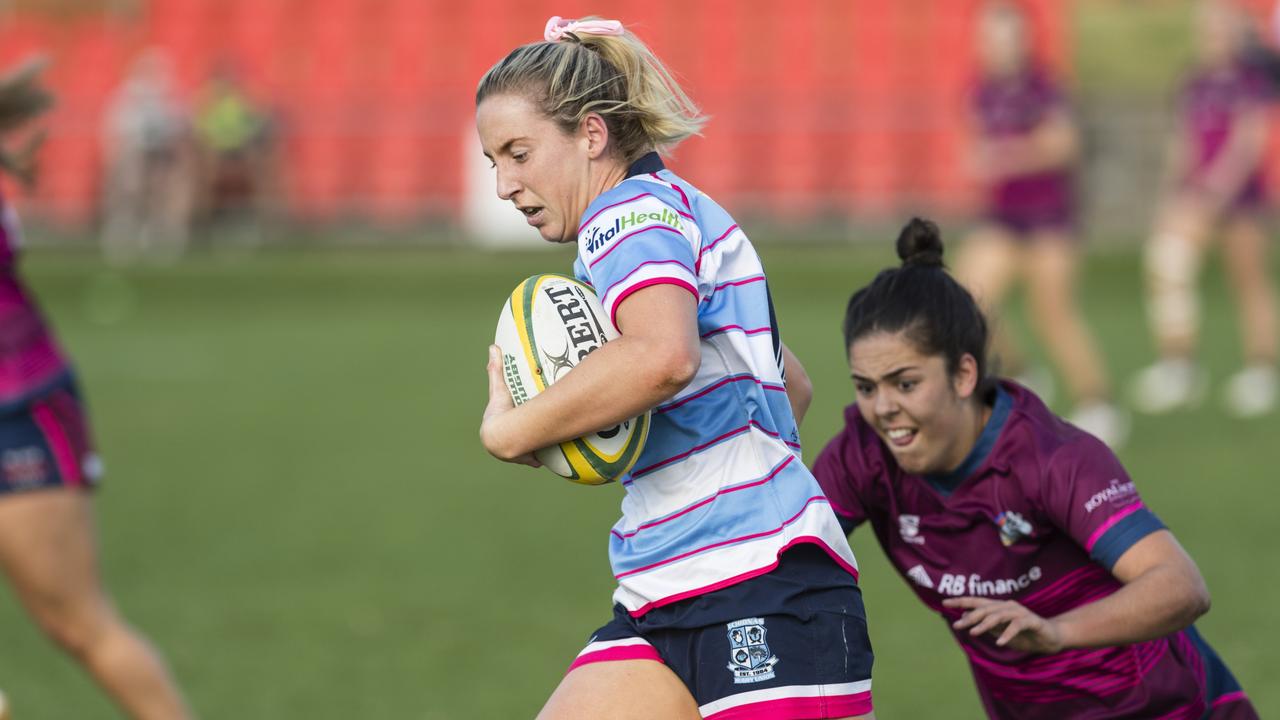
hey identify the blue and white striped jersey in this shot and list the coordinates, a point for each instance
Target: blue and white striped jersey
(720, 490)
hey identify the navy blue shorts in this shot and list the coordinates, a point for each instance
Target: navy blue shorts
(45, 443)
(789, 644)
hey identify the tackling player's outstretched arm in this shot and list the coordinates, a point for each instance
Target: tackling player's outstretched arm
(657, 355)
(1163, 592)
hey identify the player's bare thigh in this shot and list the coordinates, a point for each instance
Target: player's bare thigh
(621, 690)
(988, 264)
(48, 547)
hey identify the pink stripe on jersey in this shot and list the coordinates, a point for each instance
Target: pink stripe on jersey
(64, 454)
(683, 198)
(699, 448)
(799, 707)
(1095, 672)
(727, 328)
(735, 283)
(587, 222)
(717, 241)
(748, 575)
(690, 508)
(632, 234)
(615, 654)
(773, 434)
(695, 449)
(731, 379)
(724, 543)
(613, 310)
(1065, 584)
(637, 269)
(1121, 514)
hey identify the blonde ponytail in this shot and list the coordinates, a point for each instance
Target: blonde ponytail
(613, 75)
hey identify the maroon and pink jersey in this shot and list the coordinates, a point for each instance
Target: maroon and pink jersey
(1038, 513)
(30, 359)
(1209, 106)
(1013, 107)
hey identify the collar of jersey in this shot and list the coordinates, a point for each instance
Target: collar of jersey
(946, 483)
(648, 163)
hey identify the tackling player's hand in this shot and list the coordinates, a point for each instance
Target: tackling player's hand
(1012, 624)
(499, 404)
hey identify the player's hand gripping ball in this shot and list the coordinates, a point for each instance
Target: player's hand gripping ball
(548, 325)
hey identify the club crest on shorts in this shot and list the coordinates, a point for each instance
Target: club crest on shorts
(750, 659)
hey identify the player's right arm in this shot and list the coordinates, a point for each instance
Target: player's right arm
(657, 354)
(1053, 144)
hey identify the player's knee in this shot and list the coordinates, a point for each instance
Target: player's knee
(76, 626)
(1171, 260)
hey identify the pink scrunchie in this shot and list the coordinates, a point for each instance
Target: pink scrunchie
(558, 27)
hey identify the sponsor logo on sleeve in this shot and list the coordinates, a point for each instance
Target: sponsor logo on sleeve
(1115, 493)
(597, 237)
(750, 659)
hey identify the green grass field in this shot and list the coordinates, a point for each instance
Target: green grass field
(298, 511)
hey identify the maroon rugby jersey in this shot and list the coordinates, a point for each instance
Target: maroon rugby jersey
(30, 359)
(1209, 105)
(1038, 513)
(1012, 108)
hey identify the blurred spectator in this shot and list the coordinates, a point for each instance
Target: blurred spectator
(1215, 188)
(150, 166)
(237, 156)
(1026, 150)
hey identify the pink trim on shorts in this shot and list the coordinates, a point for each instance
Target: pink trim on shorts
(808, 707)
(64, 455)
(615, 654)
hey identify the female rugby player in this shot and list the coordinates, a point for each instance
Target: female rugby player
(47, 467)
(728, 559)
(1027, 150)
(1068, 595)
(1216, 187)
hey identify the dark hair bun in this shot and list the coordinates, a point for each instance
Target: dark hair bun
(920, 243)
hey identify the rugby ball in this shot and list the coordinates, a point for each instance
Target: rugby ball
(547, 326)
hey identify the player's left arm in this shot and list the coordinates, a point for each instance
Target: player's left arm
(799, 387)
(1053, 144)
(1241, 157)
(1163, 592)
(1087, 495)
(657, 354)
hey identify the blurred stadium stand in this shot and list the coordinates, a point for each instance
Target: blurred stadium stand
(820, 108)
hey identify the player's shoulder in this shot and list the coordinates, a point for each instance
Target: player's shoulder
(1040, 439)
(630, 207)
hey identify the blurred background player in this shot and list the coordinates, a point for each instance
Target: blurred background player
(48, 468)
(1216, 189)
(1027, 150)
(1069, 596)
(725, 537)
(237, 159)
(150, 171)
